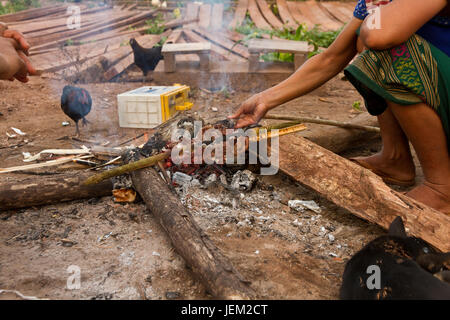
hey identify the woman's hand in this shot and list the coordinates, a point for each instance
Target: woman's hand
(251, 111)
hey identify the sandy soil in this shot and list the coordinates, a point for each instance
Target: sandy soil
(121, 250)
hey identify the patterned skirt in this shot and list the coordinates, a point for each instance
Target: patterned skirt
(407, 74)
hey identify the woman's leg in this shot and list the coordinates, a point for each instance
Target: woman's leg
(424, 129)
(395, 158)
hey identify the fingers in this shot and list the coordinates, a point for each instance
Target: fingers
(30, 69)
(237, 114)
(19, 37)
(22, 73)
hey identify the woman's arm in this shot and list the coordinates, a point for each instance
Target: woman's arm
(399, 20)
(311, 75)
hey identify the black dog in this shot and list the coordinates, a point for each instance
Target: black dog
(396, 266)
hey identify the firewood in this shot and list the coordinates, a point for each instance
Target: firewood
(35, 191)
(206, 261)
(360, 191)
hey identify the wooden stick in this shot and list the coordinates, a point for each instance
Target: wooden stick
(133, 166)
(335, 123)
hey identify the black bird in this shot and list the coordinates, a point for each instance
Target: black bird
(76, 103)
(145, 58)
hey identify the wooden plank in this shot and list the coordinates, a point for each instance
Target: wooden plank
(270, 45)
(359, 190)
(298, 15)
(318, 16)
(194, 47)
(192, 10)
(204, 15)
(33, 13)
(239, 14)
(96, 30)
(268, 14)
(285, 14)
(174, 36)
(217, 52)
(257, 17)
(335, 9)
(224, 42)
(217, 16)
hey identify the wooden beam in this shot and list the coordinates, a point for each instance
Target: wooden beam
(239, 14)
(216, 16)
(256, 16)
(298, 15)
(230, 45)
(204, 15)
(285, 14)
(268, 14)
(359, 190)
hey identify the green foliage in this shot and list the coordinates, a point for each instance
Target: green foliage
(68, 42)
(155, 26)
(161, 42)
(357, 105)
(317, 38)
(18, 5)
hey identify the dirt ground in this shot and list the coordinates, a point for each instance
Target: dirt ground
(122, 251)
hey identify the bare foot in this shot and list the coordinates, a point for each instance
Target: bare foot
(400, 168)
(433, 195)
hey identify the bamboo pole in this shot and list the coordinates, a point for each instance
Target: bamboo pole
(133, 166)
(335, 123)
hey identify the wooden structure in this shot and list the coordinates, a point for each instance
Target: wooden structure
(258, 46)
(170, 50)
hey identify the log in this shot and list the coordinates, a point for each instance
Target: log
(40, 190)
(360, 191)
(206, 261)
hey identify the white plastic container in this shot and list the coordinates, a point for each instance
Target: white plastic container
(147, 107)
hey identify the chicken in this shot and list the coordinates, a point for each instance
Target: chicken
(146, 59)
(76, 104)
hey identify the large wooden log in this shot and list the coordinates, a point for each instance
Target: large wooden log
(41, 190)
(203, 257)
(359, 190)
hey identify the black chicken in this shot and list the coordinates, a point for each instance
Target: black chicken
(76, 103)
(146, 59)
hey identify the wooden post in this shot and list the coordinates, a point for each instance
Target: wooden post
(253, 62)
(299, 59)
(169, 62)
(204, 61)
